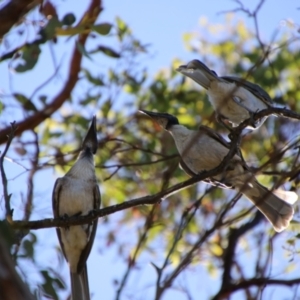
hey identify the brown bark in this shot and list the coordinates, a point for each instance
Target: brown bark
(12, 12)
(32, 121)
(11, 285)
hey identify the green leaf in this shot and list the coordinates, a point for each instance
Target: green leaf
(106, 107)
(103, 28)
(47, 286)
(68, 19)
(90, 99)
(30, 57)
(109, 51)
(122, 28)
(26, 103)
(1, 107)
(28, 246)
(297, 236)
(49, 32)
(82, 50)
(95, 80)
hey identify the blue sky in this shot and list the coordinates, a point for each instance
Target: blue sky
(162, 25)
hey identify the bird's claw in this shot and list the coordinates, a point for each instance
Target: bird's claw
(220, 119)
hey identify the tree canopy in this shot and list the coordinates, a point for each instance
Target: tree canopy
(198, 239)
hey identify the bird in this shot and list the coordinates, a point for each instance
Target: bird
(204, 149)
(233, 98)
(76, 194)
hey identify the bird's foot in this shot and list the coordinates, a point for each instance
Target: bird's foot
(253, 123)
(65, 217)
(221, 120)
(76, 215)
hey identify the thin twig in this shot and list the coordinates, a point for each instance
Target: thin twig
(131, 262)
(3, 175)
(152, 199)
(34, 168)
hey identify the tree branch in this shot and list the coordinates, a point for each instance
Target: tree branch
(186, 260)
(228, 258)
(7, 196)
(12, 12)
(152, 199)
(132, 260)
(32, 121)
(156, 198)
(256, 282)
(11, 286)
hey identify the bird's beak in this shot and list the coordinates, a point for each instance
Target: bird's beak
(151, 114)
(191, 67)
(161, 119)
(90, 140)
(199, 72)
(183, 69)
(190, 70)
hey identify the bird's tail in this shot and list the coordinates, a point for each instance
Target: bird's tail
(80, 285)
(199, 72)
(276, 205)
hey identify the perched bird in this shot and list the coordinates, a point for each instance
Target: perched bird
(233, 98)
(76, 194)
(204, 149)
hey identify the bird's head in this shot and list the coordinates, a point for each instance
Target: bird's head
(164, 120)
(192, 66)
(199, 72)
(90, 141)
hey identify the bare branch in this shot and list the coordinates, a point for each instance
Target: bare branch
(229, 254)
(34, 120)
(138, 164)
(186, 217)
(153, 199)
(32, 172)
(131, 262)
(257, 282)
(11, 285)
(12, 12)
(189, 255)
(7, 196)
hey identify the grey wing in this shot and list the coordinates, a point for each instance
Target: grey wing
(214, 135)
(55, 197)
(210, 181)
(55, 207)
(86, 251)
(251, 87)
(186, 169)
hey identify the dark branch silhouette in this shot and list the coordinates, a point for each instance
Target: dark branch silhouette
(75, 64)
(7, 196)
(11, 285)
(12, 12)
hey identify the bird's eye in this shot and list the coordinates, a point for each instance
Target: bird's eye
(236, 99)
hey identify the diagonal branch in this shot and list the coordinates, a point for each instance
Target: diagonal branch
(151, 199)
(132, 260)
(12, 12)
(186, 260)
(32, 172)
(228, 258)
(11, 285)
(32, 121)
(256, 282)
(7, 196)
